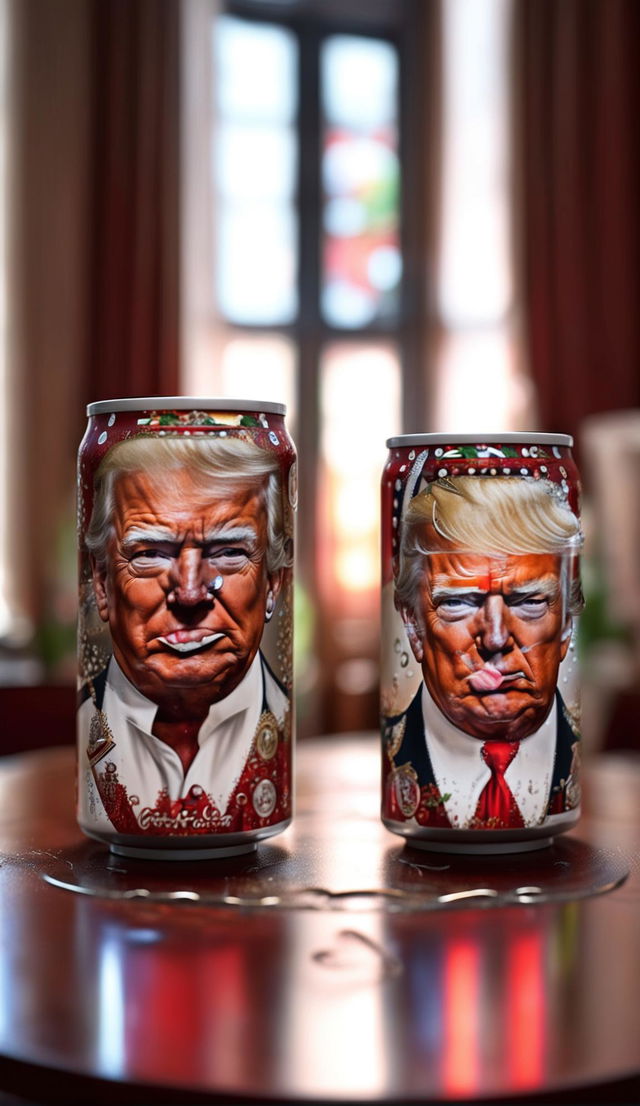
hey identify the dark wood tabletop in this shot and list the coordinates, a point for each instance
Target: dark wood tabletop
(335, 963)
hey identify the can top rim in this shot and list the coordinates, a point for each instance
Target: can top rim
(184, 403)
(508, 438)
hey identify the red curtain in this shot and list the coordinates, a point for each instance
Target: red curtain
(93, 256)
(578, 106)
(134, 199)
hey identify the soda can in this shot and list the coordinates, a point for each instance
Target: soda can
(185, 720)
(481, 593)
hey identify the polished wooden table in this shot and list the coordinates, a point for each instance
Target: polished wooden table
(333, 964)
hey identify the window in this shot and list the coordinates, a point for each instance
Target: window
(306, 208)
(480, 383)
(361, 260)
(304, 275)
(309, 238)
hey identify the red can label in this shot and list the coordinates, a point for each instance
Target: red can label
(186, 526)
(481, 592)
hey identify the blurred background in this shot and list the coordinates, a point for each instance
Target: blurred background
(392, 215)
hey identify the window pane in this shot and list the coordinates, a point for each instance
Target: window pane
(478, 385)
(256, 263)
(360, 404)
(244, 366)
(255, 162)
(359, 83)
(362, 264)
(475, 284)
(260, 367)
(255, 71)
(254, 172)
(480, 378)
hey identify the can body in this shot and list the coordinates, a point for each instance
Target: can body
(480, 598)
(185, 718)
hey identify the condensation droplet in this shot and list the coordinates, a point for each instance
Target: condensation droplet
(404, 660)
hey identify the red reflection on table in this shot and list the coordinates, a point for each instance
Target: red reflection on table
(525, 1010)
(140, 1005)
(461, 1016)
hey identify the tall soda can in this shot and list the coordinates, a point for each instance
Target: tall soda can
(480, 596)
(185, 720)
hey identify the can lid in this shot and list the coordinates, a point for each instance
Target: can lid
(508, 438)
(184, 403)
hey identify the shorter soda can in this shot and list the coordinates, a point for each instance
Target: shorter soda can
(185, 528)
(481, 591)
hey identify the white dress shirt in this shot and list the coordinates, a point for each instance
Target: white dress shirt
(461, 772)
(146, 765)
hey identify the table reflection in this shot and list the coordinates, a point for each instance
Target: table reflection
(461, 987)
(338, 963)
(525, 1010)
(336, 1002)
(175, 997)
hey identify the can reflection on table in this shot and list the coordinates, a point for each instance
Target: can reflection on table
(186, 525)
(481, 593)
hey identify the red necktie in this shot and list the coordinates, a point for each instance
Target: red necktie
(496, 804)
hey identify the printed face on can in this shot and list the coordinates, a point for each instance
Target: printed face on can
(186, 551)
(483, 579)
(183, 583)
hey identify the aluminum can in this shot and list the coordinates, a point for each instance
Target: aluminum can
(481, 593)
(186, 514)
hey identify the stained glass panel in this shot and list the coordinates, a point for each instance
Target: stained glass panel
(361, 259)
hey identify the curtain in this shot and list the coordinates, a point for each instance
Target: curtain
(578, 102)
(93, 306)
(47, 143)
(134, 199)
